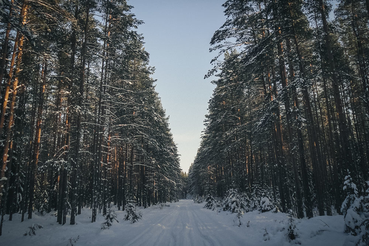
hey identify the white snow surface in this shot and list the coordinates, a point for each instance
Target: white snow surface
(182, 223)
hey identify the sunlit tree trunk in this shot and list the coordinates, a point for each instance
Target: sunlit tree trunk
(7, 141)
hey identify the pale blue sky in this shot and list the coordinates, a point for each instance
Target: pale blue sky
(177, 35)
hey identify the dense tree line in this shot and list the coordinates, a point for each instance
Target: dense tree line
(289, 113)
(81, 124)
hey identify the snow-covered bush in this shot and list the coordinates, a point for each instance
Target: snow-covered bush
(32, 230)
(363, 211)
(211, 203)
(353, 217)
(72, 241)
(364, 236)
(131, 213)
(356, 211)
(235, 202)
(237, 220)
(231, 200)
(265, 204)
(110, 217)
(292, 230)
(198, 199)
(351, 207)
(261, 199)
(254, 200)
(349, 187)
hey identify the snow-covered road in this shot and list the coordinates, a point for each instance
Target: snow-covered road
(184, 223)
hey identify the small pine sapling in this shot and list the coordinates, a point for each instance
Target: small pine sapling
(210, 203)
(266, 236)
(131, 213)
(234, 201)
(364, 236)
(238, 217)
(364, 212)
(110, 217)
(198, 199)
(254, 199)
(72, 241)
(162, 205)
(349, 187)
(32, 230)
(352, 207)
(292, 230)
(265, 204)
(229, 200)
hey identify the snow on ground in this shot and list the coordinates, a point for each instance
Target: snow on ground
(182, 223)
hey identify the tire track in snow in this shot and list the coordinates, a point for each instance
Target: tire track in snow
(204, 229)
(136, 239)
(166, 236)
(186, 237)
(184, 224)
(176, 229)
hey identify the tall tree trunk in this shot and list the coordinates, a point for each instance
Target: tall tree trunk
(300, 211)
(37, 140)
(77, 115)
(5, 98)
(12, 104)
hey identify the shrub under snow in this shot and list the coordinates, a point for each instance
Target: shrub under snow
(110, 217)
(265, 204)
(355, 209)
(235, 202)
(131, 213)
(211, 203)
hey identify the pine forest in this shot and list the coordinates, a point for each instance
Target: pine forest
(83, 129)
(81, 123)
(289, 116)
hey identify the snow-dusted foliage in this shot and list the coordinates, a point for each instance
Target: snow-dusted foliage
(364, 236)
(265, 204)
(355, 209)
(351, 206)
(198, 199)
(72, 241)
(238, 220)
(292, 234)
(349, 187)
(353, 217)
(363, 211)
(110, 217)
(257, 200)
(131, 213)
(32, 229)
(234, 201)
(211, 203)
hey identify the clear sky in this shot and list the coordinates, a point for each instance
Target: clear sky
(177, 35)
